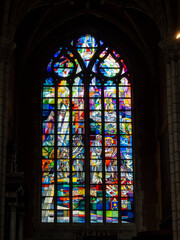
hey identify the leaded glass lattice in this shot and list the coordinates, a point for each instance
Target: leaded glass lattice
(87, 156)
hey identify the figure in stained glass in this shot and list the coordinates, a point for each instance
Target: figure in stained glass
(87, 125)
(96, 148)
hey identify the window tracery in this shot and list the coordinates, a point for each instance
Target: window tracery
(87, 160)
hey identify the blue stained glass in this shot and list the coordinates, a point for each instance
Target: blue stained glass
(126, 152)
(95, 116)
(48, 140)
(126, 190)
(111, 216)
(112, 190)
(95, 128)
(96, 83)
(48, 128)
(48, 92)
(49, 66)
(116, 54)
(63, 177)
(96, 190)
(110, 92)
(124, 82)
(48, 116)
(86, 41)
(111, 203)
(109, 67)
(65, 103)
(47, 216)
(94, 91)
(47, 203)
(63, 91)
(126, 140)
(78, 91)
(63, 216)
(96, 203)
(48, 190)
(86, 54)
(127, 216)
(58, 52)
(63, 165)
(63, 62)
(110, 128)
(63, 190)
(126, 165)
(48, 177)
(48, 103)
(94, 103)
(127, 203)
(63, 140)
(48, 81)
(63, 72)
(78, 216)
(125, 104)
(96, 216)
(78, 81)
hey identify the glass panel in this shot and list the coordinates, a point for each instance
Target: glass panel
(48, 103)
(63, 216)
(96, 190)
(47, 165)
(47, 216)
(70, 145)
(63, 190)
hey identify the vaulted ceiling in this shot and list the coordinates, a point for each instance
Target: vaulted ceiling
(29, 22)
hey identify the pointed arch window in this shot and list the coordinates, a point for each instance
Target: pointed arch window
(87, 159)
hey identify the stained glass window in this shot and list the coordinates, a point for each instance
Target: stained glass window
(87, 155)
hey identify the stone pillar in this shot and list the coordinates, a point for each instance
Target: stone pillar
(171, 48)
(6, 47)
(20, 225)
(12, 233)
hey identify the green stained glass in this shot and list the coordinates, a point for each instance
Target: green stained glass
(125, 92)
(109, 67)
(78, 91)
(63, 103)
(63, 91)
(94, 103)
(77, 103)
(48, 92)
(47, 165)
(87, 146)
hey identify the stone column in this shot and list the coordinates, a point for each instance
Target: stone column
(20, 225)
(6, 48)
(171, 48)
(12, 230)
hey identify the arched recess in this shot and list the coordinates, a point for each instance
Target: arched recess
(32, 73)
(87, 159)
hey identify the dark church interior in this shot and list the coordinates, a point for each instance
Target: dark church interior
(147, 34)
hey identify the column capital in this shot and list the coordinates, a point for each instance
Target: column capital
(6, 48)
